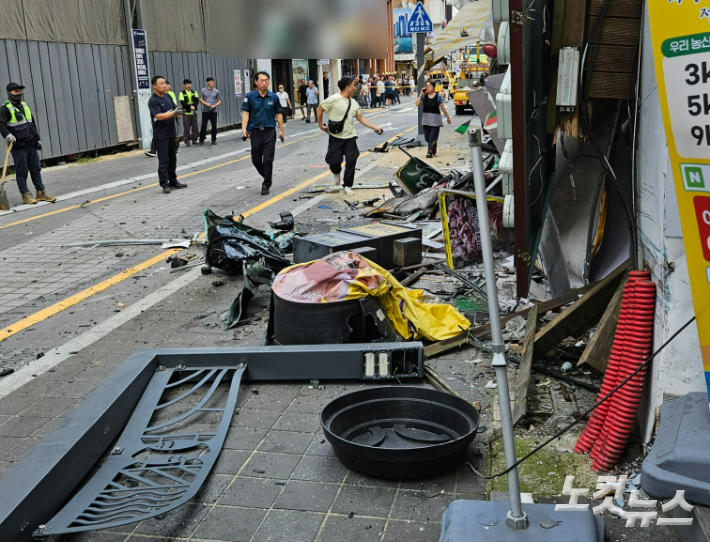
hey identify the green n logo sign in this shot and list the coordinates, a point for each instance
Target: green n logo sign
(694, 177)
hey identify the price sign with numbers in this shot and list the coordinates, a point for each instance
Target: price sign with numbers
(680, 33)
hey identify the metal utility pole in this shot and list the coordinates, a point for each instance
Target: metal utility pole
(420, 82)
(140, 69)
(490, 521)
(517, 519)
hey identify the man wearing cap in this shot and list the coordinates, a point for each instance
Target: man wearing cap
(189, 100)
(342, 108)
(261, 110)
(18, 128)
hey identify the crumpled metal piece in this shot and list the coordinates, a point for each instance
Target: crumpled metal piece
(229, 243)
(253, 274)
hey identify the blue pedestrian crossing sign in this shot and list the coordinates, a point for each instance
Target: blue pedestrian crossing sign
(419, 21)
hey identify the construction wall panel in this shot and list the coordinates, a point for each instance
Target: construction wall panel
(75, 90)
(68, 138)
(12, 20)
(68, 21)
(71, 88)
(89, 91)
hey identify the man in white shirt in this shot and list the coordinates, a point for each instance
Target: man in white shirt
(285, 102)
(342, 108)
(380, 91)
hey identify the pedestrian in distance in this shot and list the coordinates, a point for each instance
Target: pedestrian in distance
(412, 85)
(163, 113)
(311, 100)
(381, 90)
(360, 96)
(433, 107)
(373, 92)
(342, 109)
(18, 128)
(446, 88)
(210, 98)
(189, 99)
(302, 98)
(389, 92)
(261, 110)
(326, 86)
(285, 102)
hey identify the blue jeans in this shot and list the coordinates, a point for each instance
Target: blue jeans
(27, 160)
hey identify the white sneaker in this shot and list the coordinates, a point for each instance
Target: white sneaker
(349, 191)
(336, 179)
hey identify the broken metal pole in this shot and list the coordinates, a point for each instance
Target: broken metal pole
(516, 519)
(112, 242)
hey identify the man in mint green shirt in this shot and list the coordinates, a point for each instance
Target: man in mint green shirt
(343, 144)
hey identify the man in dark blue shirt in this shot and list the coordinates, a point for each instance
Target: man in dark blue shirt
(163, 113)
(260, 111)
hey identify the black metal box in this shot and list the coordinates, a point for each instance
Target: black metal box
(407, 251)
(313, 247)
(382, 237)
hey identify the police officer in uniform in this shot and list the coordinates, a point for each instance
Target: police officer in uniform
(189, 100)
(18, 128)
(261, 110)
(178, 120)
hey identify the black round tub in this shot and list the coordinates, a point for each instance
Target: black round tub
(400, 432)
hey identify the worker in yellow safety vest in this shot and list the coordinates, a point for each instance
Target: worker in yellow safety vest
(18, 128)
(189, 100)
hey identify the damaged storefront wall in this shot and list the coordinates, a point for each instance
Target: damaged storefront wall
(678, 369)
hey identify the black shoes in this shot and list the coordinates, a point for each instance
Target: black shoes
(178, 185)
(214, 143)
(429, 155)
(188, 143)
(202, 143)
(166, 190)
(264, 191)
(152, 154)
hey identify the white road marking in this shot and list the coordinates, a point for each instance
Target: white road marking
(122, 182)
(305, 206)
(57, 355)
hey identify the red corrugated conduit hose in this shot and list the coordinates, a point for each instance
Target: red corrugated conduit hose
(610, 425)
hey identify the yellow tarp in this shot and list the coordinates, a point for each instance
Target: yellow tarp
(347, 275)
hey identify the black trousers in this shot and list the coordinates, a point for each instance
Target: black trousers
(190, 128)
(431, 136)
(167, 161)
(263, 148)
(339, 148)
(212, 117)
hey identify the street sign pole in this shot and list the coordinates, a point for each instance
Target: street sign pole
(420, 84)
(420, 24)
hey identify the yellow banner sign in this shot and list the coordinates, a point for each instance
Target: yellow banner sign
(680, 31)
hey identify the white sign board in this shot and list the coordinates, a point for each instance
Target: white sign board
(237, 83)
(688, 76)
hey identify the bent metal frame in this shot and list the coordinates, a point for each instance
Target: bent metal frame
(172, 410)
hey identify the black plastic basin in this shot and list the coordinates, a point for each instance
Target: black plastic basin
(400, 432)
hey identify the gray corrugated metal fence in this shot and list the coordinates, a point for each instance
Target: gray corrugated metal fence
(70, 87)
(197, 67)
